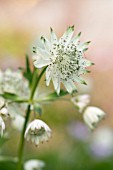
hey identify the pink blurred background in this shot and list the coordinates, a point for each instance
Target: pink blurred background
(21, 22)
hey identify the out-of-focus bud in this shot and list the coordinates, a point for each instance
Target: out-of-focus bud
(92, 116)
(81, 101)
(34, 164)
(4, 112)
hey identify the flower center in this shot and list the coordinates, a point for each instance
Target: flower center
(38, 132)
(67, 60)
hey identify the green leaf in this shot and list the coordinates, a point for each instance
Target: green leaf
(28, 73)
(9, 96)
(55, 96)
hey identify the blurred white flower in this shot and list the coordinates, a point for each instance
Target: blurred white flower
(18, 122)
(2, 126)
(81, 101)
(38, 131)
(34, 164)
(13, 82)
(92, 116)
(64, 58)
(101, 143)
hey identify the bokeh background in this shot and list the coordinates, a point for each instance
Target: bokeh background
(21, 23)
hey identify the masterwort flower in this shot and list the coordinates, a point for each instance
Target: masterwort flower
(92, 116)
(81, 101)
(34, 164)
(2, 126)
(38, 131)
(64, 59)
(13, 82)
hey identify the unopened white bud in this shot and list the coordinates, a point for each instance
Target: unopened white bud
(92, 116)
(34, 164)
(38, 131)
(4, 112)
(81, 101)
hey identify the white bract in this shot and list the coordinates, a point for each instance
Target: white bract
(34, 164)
(64, 59)
(2, 126)
(81, 101)
(92, 116)
(38, 131)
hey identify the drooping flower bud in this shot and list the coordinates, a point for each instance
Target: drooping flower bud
(92, 116)
(38, 131)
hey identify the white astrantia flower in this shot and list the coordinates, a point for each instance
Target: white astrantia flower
(37, 131)
(34, 164)
(92, 116)
(13, 82)
(2, 126)
(81, 101)
(64, 59)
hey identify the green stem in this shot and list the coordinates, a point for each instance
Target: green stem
(35, 82)
(22, 139)
(50, 100)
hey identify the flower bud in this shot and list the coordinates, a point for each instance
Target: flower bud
(81, 101)
(92, 116)
(38, 131)
(34, 164)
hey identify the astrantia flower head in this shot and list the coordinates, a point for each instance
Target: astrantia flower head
(38, 131)
(64, 59)
(92, 116)
(13, 82)
(81, 101)
(34, 164)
